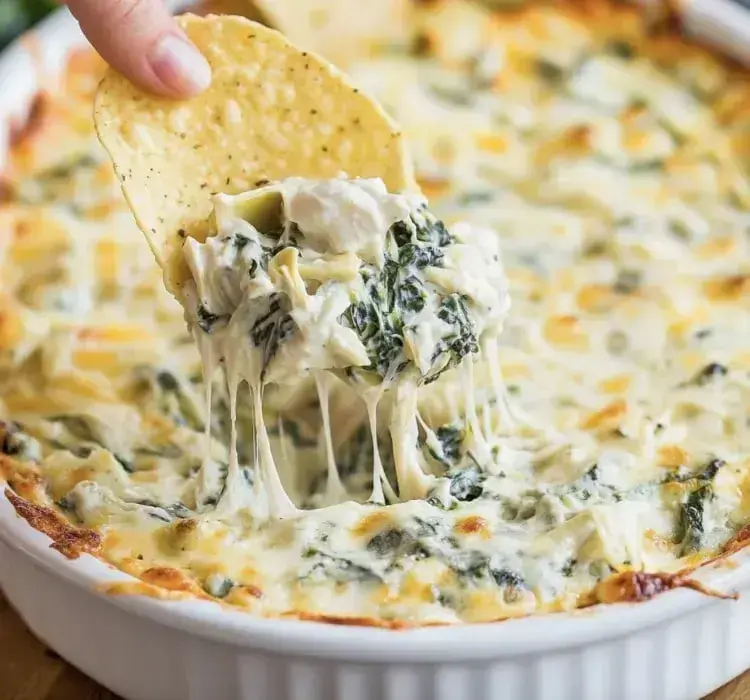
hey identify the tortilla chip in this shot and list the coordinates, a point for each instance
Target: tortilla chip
(340, 30)
(272, 111)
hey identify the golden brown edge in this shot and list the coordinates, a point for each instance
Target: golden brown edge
(70, 541)
(166, 583)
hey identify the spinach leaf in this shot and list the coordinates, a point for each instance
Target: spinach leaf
(411, 294)
(340, 569)
(81, 427)
(209, 494)
(706, 474)
(460, 341)
(15, 443)
(449, 450)
(396, 293)
(170, 395)
(272, 328)
(177, 511)
(711, 469)
(467, 484)
(420, 256)
(386, 542)
(218, 585)
(709, 373)
(506, 578)
(472, 566)
(77, 426)
(691, 522)
(207, 320)
(451, 439)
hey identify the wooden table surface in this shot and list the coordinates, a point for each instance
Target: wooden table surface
(31, 671)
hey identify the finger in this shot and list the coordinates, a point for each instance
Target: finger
(141, 40)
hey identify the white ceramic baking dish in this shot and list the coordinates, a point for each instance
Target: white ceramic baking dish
(679, 646)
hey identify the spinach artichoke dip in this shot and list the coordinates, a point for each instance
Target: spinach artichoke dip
(356, 424)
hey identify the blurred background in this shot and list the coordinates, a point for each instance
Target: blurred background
(18, 15)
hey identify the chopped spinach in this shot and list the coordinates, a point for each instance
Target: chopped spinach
(218, 585)
(435, 232)
(473, 566)
(420, 256)
(426, 528)
(10, 444)
(412, 295)
(451, 439)
(240, 242)
(206, 320)
(393, 295)
(593, 473)
(469, 564)
(711, 469)
(459, 342)
(506, 578)
(709, 373)
(208, 495)
(77, 426)
(126, 464)
(378, 322)
(171, 396)
(273, 327)
(66, 504)
(248, 475)
(401, 545)
(167, 381)
(386, 542)
(467, 484)
(705, 474)
(691, 522)
(17, 444)
(178, 510)
(402, 233)
(340, 569)
(80, 427)
(448, 451)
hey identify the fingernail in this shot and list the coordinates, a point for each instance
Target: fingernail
(180, 66)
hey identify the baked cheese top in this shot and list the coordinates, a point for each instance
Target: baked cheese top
(604, 431)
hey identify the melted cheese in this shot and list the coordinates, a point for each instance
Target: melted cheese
(254, 314)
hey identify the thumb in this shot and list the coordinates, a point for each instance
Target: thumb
(141, 40)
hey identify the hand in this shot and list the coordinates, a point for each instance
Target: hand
(141, 40)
